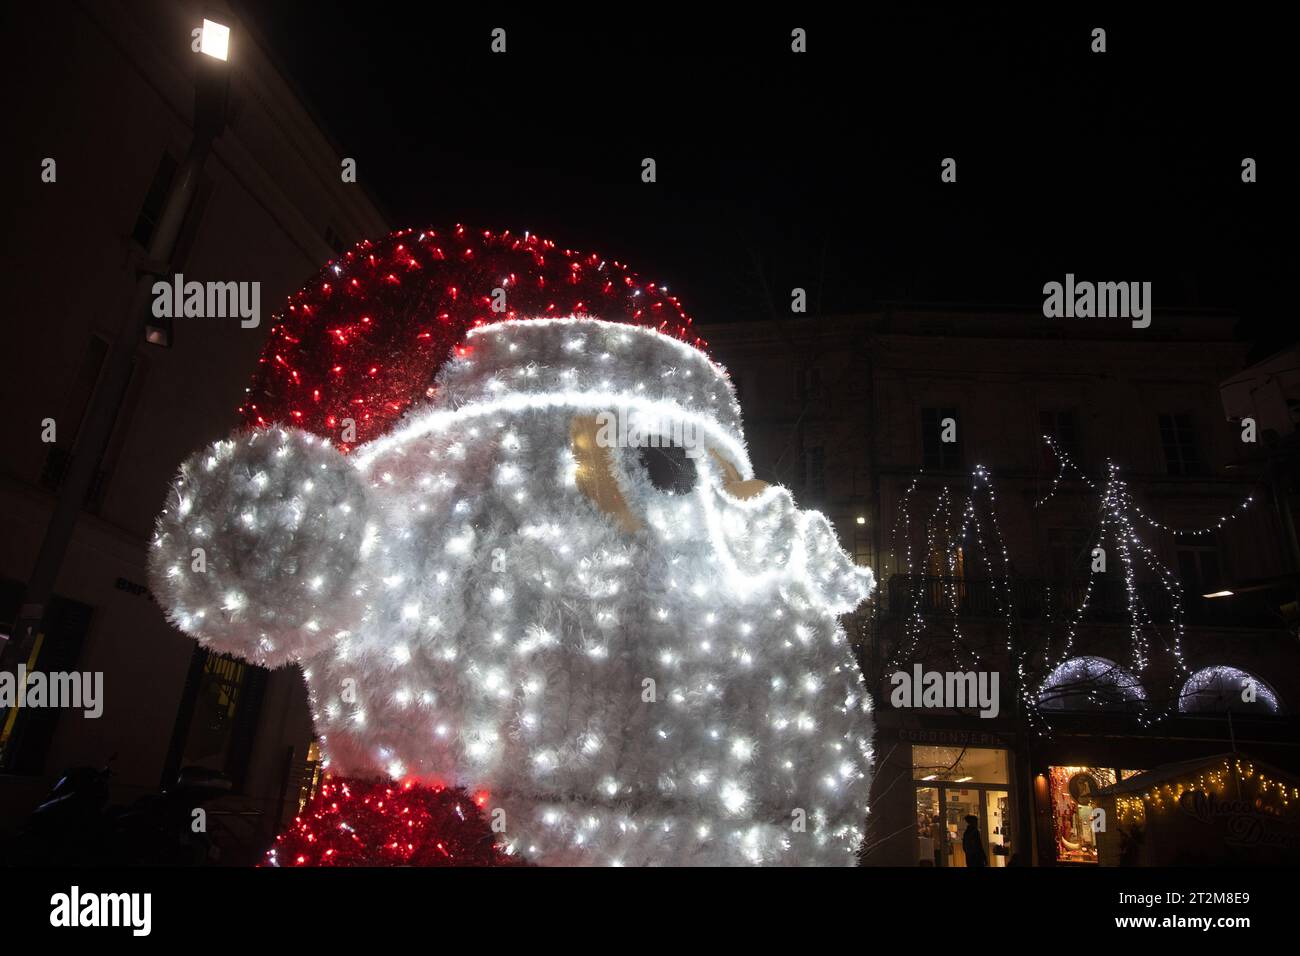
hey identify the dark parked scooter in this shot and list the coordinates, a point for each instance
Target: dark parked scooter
(74, 826)
(158, 829)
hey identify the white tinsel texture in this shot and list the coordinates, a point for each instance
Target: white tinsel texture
(656, 677)
(256, 551)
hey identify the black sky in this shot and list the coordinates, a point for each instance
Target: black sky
(822, 170)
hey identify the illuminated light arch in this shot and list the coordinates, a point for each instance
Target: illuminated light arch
(1090, 683)
(1221, 687)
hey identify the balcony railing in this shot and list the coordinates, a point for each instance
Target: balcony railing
(1059, 600)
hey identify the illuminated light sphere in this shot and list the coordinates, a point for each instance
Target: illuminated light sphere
(1225, 688)
(1090, 683)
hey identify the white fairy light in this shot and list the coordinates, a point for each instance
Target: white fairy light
(496, 615)
(733, 796)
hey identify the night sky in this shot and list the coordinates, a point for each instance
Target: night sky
(822, 170)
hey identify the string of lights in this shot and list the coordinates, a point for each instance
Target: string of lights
(1002, 581)
(1065, 463)
(360, 343)
(945, 547)
(1116, 537)
(1228, 782)
(1116, 529)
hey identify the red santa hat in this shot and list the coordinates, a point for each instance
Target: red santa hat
(365, 338)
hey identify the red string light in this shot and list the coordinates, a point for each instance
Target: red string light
(380, 823)
(359, 341)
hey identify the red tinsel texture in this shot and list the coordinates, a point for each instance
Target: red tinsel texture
(362, 341)
(380, 823)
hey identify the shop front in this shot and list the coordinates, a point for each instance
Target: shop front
(1074, 807)
(1052, 799)
(929, 782)
(1225, 809)
(953, 784)
(1084, 776)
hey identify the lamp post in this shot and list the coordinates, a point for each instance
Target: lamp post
(212, 78)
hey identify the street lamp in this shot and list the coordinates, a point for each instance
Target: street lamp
(211, 89)
(215, 40)
(211, 84)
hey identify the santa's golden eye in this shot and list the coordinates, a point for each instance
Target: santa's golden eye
(732, 483)
(594, 471)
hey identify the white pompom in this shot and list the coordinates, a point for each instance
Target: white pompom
(279, 516)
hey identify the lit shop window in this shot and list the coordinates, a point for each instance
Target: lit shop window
(313, 771)
(1076, 815)
(953, 785)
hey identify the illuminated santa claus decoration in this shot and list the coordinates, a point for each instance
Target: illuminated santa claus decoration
(496, 502)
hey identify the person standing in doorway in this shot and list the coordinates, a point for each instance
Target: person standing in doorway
(972, 843)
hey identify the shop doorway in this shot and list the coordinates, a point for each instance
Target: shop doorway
(957, 806)
(953, 783)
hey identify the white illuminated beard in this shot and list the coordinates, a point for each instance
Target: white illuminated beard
(610, 696)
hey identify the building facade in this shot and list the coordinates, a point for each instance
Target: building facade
(966, 456)
(115, 117)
